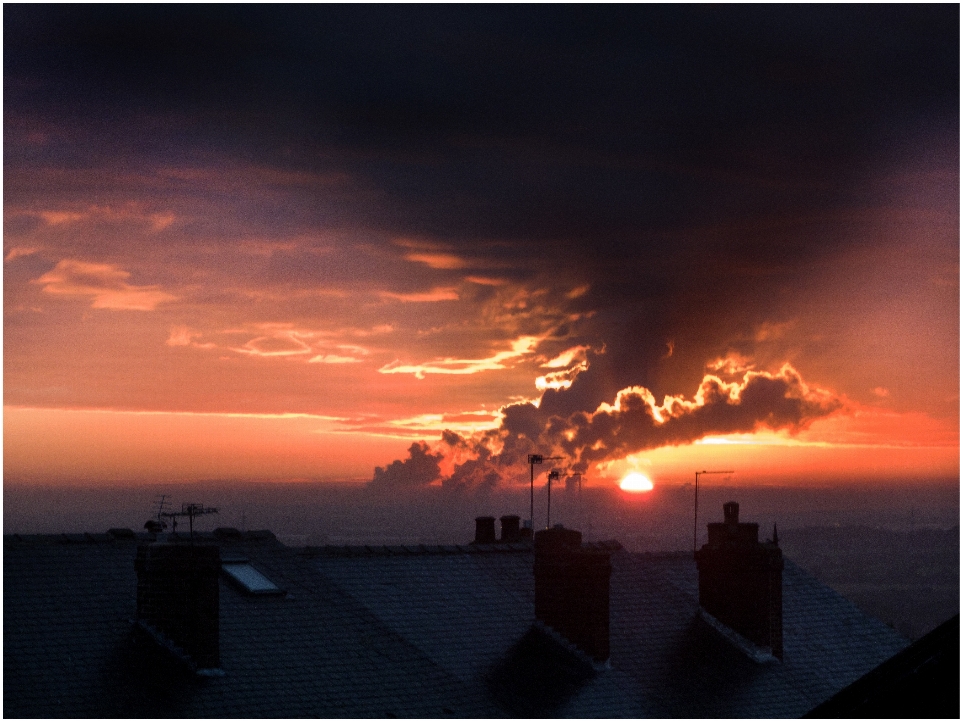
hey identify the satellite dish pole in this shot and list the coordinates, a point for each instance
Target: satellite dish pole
(696, 501)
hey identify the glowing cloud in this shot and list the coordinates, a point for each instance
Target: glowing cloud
(457, 366)
(334, 359)
(431, 296)
(182, 335)
(635, 422)
(577, 353)
(105, 283)
(438, 261)
(131, 212)
(485, 280)
(19, 252)
(560, 379)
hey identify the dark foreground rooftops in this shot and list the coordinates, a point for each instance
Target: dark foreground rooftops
(409, 631)
(922, 681)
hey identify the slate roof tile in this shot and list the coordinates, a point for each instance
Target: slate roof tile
(407, 630)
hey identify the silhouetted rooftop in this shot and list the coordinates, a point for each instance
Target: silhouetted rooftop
(922, 681)
(415, 631)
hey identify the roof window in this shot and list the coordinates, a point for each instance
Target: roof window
(250, 579)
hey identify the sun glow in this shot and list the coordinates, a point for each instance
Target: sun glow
(636, 483)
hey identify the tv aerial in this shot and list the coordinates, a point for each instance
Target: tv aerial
(696, 500)
(190, 511)
(556, 475)
(158, 525)
(536, 459)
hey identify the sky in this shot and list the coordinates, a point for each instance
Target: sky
(411, 245)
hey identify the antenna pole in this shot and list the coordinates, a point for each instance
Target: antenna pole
(553, 474)
(189, 510)
(535, 459)
(532, 459)
(696, 501)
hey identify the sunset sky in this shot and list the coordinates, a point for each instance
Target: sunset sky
(249, 242)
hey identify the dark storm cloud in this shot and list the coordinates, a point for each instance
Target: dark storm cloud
(546, 123)
(634, 422)
(692, 165)
(420, 468)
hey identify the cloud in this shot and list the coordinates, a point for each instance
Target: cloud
(438, 261)
(485, 280)
(772, 331)
(19, 252)
(635, 422)
(332, 358)
(181, 335)
(277, 344)
(431, 296)
(103, 282)
(560, 379)
(577, 353)
(458, 366)
(130, 212)
(287, 341)
(732, 363)
(59, 217)
(420, 468)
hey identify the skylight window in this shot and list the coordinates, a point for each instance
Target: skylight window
(249, 578)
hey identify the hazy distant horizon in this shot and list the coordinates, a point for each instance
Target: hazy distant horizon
(348, 513)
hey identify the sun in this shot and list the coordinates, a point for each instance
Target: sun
(636, 483)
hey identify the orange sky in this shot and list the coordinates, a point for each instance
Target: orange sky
(193, 290)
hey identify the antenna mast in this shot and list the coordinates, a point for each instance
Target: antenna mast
(555, 475)
(696, 501)
(536, 459)
(189, 510)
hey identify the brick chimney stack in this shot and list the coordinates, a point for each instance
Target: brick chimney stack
(178, 598)
(741, 580)
(572, 590)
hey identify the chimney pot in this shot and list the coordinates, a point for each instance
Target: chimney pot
(486, 530)
(731, 513)
(510, 529)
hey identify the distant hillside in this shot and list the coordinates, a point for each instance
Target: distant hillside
(907, 579)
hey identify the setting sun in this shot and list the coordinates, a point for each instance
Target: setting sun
(636, 483)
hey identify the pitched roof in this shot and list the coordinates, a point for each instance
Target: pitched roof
(467, 610)
(408, 631)
(922, 681)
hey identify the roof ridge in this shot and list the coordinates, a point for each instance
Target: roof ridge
(414, 549)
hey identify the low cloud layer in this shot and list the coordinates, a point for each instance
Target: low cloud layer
(420, 468)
